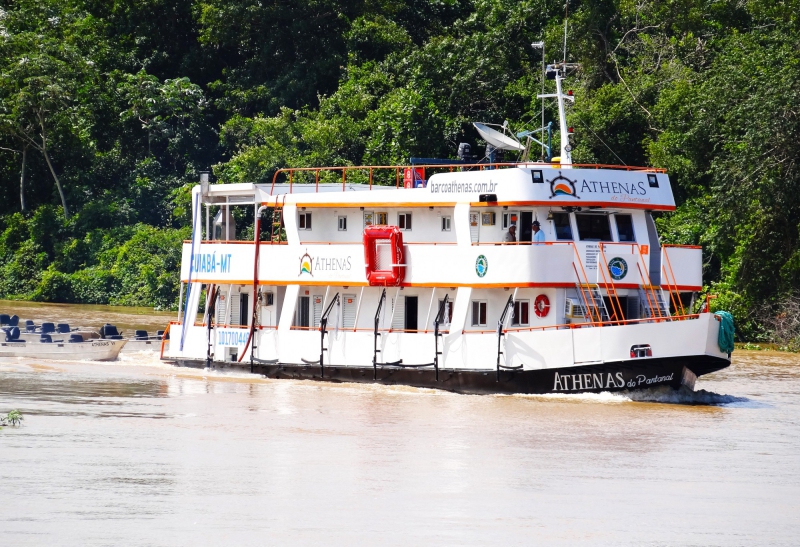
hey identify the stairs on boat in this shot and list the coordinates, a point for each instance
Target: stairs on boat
(652, 302)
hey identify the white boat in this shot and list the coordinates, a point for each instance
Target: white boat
(419, 286)
(58, 348)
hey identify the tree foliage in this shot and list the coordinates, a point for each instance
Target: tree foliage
(109, 109)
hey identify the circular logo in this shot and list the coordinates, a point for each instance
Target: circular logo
(618, 268)
(481, 266)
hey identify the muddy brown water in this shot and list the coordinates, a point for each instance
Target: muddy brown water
(137, 452)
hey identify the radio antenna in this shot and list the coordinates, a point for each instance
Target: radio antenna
(566, 19)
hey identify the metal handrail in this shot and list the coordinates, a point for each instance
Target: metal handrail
(481, 166)
(323, 325)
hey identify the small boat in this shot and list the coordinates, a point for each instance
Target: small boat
(59, 346)
(142, 341)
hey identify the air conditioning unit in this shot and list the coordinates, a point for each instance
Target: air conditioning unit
(574, 309)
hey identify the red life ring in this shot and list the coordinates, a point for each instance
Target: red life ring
(541, 306)
(385, 269)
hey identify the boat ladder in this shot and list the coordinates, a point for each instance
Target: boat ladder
(652, 302)
(596, 301)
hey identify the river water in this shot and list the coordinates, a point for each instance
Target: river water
(136, 452)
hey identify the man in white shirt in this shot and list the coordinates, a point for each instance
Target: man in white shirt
(538, 235)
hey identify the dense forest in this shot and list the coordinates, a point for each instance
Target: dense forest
(110, 109)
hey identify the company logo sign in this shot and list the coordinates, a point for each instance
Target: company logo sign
(618, 268)
(306, 265)
(481, 266)
(562, 186)
(309, 265)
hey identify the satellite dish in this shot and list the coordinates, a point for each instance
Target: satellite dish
(497, 139)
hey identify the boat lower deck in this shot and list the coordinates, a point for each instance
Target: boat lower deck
(590, 378)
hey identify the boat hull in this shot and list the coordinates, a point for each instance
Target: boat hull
(631, 375)
(95, 350)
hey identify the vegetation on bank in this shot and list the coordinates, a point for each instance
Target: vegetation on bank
(13, 418)
(110, 109)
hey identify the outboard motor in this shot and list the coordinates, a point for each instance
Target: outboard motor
(110, 331)
(62, 328)
(48, 328)
(45, 339)
(30, 326)
(12, 334)
(13, 320)
(465, 152)
(4, 319)
(141, 335)
(75, 338)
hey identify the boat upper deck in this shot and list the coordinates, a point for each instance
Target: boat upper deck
(529, 184)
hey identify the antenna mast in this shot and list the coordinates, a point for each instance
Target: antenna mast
(557, 72)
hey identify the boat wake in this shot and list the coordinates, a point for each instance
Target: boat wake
(664, 395)
(685, 396)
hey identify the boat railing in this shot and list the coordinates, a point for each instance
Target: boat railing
(365, 174)
(571, 326)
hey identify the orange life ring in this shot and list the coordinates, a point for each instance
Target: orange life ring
(541, 306)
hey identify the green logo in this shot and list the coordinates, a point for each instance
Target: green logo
(618, 268)
(481, 266)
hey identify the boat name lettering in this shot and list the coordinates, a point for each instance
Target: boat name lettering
(642, 379)
(577, 382)
(332, 264)
(231, 337)
(461, 187)
(212, 263)
(594, 186)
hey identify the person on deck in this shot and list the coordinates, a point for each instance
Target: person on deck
(538, 234)
(511, 235)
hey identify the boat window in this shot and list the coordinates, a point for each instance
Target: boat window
(625, 227)
(448, 312)
(304, 222)
(488, 219)
(445, 224)
(404, 221)
(593, 227)
(521, 313)
(478, 313)
(382, 219)
(342, 223)
(562, 225)
(509, 219)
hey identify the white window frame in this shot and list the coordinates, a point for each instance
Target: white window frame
(406, 214)
(514, 321)
(507, 220)
(476, 322)
(342, 223)
(306, 216)
(448, 312)
(447, 222)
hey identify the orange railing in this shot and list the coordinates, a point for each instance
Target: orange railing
(370, 170)
(611, 290)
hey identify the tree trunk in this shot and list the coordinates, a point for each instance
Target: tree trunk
(58, 182)
(22, 177)
(43, 148)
